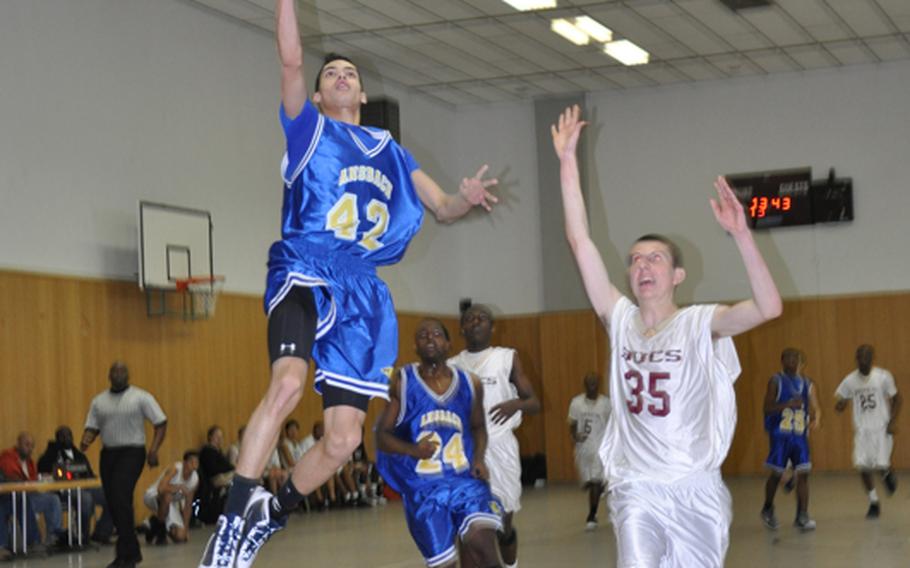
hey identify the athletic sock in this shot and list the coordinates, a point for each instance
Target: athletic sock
(239, 495)
(287, 500)
(873, 496)
(511, 565)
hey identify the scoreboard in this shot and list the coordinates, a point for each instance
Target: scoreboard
(784, 198)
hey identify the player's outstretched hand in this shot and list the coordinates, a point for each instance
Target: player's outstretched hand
(501, 413)
(480, 471)
(474, 189)
(426, 448)
(727, 209)
(566, 132)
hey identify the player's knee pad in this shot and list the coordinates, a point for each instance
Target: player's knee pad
(507, 539)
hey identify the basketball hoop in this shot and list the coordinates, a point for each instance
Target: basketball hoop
(202, 293)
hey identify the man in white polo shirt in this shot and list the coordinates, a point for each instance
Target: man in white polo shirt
(119, 415)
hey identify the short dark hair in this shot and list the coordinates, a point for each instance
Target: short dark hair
(330, 57)
(478, 308)
(445, 330)
(675, 253)
(290, 423)
(190, 454)
(211, 431)
(790, 352)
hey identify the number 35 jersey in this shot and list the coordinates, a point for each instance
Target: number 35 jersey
(674, 408)
(445, 419)
(348, 190)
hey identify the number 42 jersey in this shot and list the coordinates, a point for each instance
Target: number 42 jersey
(674, 408)
(348, 195)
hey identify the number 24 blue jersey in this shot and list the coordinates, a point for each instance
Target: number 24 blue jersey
(445, 418)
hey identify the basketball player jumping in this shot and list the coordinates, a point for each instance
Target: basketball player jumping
(671, 381)
(353, 199)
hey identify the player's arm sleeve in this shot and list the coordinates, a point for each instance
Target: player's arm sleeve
(618, 313)
(844, 391)
(890, 386)
(573, 412)
(92, 420)
(720, 351)
(302, 134)
(152, 411)
(412, 163)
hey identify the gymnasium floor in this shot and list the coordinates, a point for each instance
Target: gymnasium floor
(552, 534)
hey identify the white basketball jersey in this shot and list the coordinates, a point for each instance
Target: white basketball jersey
(493, 366)
(871, 410)
(674, 408)
(590, 417)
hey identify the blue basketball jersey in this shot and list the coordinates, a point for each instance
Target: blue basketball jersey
(790, 421)
(347, 188)
(445, 418)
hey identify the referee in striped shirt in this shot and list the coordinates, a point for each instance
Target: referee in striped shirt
(119, 415)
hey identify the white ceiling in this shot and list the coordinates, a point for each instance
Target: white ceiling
(476, 51)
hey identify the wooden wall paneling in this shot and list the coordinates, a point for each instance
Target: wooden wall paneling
(568, 343)
(523, 335)
(58, 337)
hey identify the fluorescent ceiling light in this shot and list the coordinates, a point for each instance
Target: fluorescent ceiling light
(525, 5)
(593, 28)
(626, 52)
(567, 29)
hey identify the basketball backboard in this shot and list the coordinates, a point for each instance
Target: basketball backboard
(175, 243)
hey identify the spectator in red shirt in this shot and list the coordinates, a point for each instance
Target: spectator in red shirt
(16, 464)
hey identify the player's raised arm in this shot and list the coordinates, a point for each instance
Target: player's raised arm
(765, 303)
(602, 294)
(448, 207)
(290, 52)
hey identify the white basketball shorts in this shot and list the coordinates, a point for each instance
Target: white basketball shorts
(590, 467)
(872, 449)
(504, 464)
(676, 525)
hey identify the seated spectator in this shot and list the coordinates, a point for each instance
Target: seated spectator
(170, 498)
(292, 447)
(17, 465)
(275, 474)
(234, 450)
(62, 460)
(326, 495)
(215, 475)
(366, 477)
(6, 514)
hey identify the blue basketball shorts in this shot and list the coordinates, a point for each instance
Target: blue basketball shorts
(356, 342)
(437, 512)
(787, 448)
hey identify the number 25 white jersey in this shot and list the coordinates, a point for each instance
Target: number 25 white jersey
(871, 410)
(674, 408)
